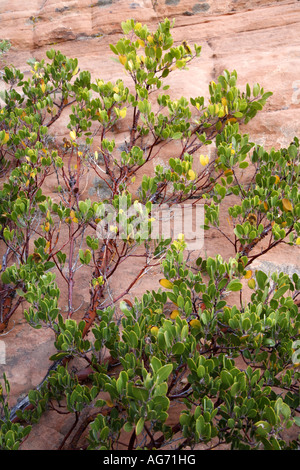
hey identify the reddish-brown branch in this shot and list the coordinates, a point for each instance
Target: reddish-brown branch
(7, 309)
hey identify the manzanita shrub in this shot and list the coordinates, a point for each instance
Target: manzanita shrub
(225, 372)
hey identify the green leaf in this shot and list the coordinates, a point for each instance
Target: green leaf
(201, 371)
(164, 372)
(270, 415)
(285, 410)
(127, 427)
(140, 393)
(177, 135)
(238, 114)
(292, 151)
(261, 279)
(234, 286)
(263, 428)
(104, 433)
(58, 356)
(226, 378)
(139, 426)
(280, 292)
(113, 49)
(178, 349)
(5, 277)
(134, 341)
(297, 420)
(256, 90)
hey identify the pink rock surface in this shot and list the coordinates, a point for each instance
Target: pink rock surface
(258, 38)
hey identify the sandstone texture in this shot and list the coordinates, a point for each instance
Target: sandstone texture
(258, 38)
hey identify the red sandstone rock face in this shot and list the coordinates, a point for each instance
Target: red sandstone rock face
(258, 38)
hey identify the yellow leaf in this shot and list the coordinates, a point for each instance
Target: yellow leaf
(195, 323)
(204, 159)
(73, 135)
(298, 241)
(221, 112)
(258, 337)
(224, 101)
(109, 403)
(75, 71)
(287, 206)
(244, 337)
(191, 175)
(248, 274)
(47, 227)
(251, 283)
(123, 113)
(154, 330)
(252, 219)
(165, 283)
(150, 39)
(72, 214)
(6, 138)
(266, 207)
(137, 26)
(174, 314)
(122, 59)
(43, 87)
(230, 120)
(277, 179)
(187, 47)
(141, 42)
